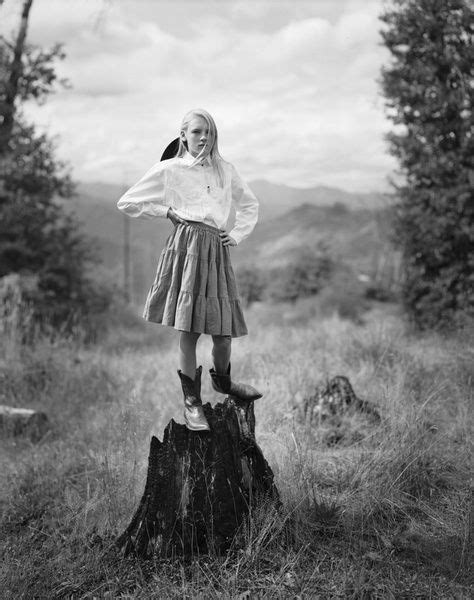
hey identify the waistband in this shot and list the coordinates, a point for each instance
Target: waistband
(205, 226)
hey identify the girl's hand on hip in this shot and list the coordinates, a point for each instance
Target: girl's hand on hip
(226, 239)
(174, 217)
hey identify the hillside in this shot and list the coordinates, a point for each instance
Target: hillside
(353, 236)
(353, 232)
(276, 199)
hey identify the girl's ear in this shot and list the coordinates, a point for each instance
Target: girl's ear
(182, 137)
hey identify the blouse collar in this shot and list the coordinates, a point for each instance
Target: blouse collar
(188, 159)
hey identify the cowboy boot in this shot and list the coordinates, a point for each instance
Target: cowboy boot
(222, 383)
(193, 411)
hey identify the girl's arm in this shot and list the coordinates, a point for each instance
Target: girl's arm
(146, 199)
(246, 208)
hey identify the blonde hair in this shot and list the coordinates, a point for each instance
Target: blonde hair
(211, 150)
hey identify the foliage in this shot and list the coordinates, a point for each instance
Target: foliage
(429, 96)
(305, 274)
(345, 295)
(39, 78)
(37, 235)
(251, 283)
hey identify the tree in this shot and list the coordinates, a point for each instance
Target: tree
(11, 76)
(251, 284)
(37, 235)
(307, 272)
(429, 99)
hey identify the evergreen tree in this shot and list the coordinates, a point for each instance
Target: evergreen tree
(428, 86)
(37, 235)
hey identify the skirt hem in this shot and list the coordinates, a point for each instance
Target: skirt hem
(233, 334)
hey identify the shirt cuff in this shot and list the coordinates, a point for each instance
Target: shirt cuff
(236, 236)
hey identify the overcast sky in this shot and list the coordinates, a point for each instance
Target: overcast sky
(292, 85)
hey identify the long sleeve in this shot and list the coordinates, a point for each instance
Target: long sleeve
(246, 208)
(146, 199)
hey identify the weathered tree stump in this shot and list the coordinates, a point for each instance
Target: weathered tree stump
(333, 414)
(200, 486)
(333, 398)
(23, 421)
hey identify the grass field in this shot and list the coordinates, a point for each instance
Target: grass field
(383, 514)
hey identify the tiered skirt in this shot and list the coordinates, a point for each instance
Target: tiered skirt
(195, 288)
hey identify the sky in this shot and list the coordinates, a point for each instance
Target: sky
(293, 86)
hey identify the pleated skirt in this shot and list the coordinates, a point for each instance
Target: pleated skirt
(194, 288)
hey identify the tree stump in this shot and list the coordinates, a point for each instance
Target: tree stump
(200, 486)
(23, 421)
(335, 415)
(333, 398)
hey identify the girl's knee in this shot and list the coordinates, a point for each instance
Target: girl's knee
(222, 340)
(188, 337)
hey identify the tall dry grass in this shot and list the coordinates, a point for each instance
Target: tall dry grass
(382, 514)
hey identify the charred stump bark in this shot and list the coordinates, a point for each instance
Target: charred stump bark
(200, 486)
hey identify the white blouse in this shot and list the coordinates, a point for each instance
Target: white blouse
(194, 194)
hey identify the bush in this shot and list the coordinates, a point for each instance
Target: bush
(307, 273)
(251, 284)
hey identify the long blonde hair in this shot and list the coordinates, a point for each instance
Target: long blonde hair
(211, 150)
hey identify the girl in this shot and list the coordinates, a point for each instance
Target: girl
(194, 290)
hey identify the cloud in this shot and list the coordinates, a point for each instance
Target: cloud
(292, 86)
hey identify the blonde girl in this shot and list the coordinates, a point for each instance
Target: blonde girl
(194, 290)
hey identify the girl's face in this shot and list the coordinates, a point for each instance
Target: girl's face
(196, 135)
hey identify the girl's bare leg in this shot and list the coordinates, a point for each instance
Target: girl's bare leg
(187, 353)
(221, 352)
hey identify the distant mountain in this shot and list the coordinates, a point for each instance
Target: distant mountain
(350, 224)
(356, 237)
(277, 199)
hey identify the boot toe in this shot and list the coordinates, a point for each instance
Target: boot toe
(245, 392)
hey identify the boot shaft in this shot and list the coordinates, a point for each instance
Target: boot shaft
(221, 382)
(191, 389)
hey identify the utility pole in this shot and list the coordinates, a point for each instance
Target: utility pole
(126, 259)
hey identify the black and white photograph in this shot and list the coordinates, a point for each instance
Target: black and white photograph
(236, 299)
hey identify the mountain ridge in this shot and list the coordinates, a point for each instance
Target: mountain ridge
(289, 219)
(274, 198)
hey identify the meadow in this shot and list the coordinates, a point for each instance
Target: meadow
(385, 513)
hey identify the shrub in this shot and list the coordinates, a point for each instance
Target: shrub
(251, 284)
(306, 274)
